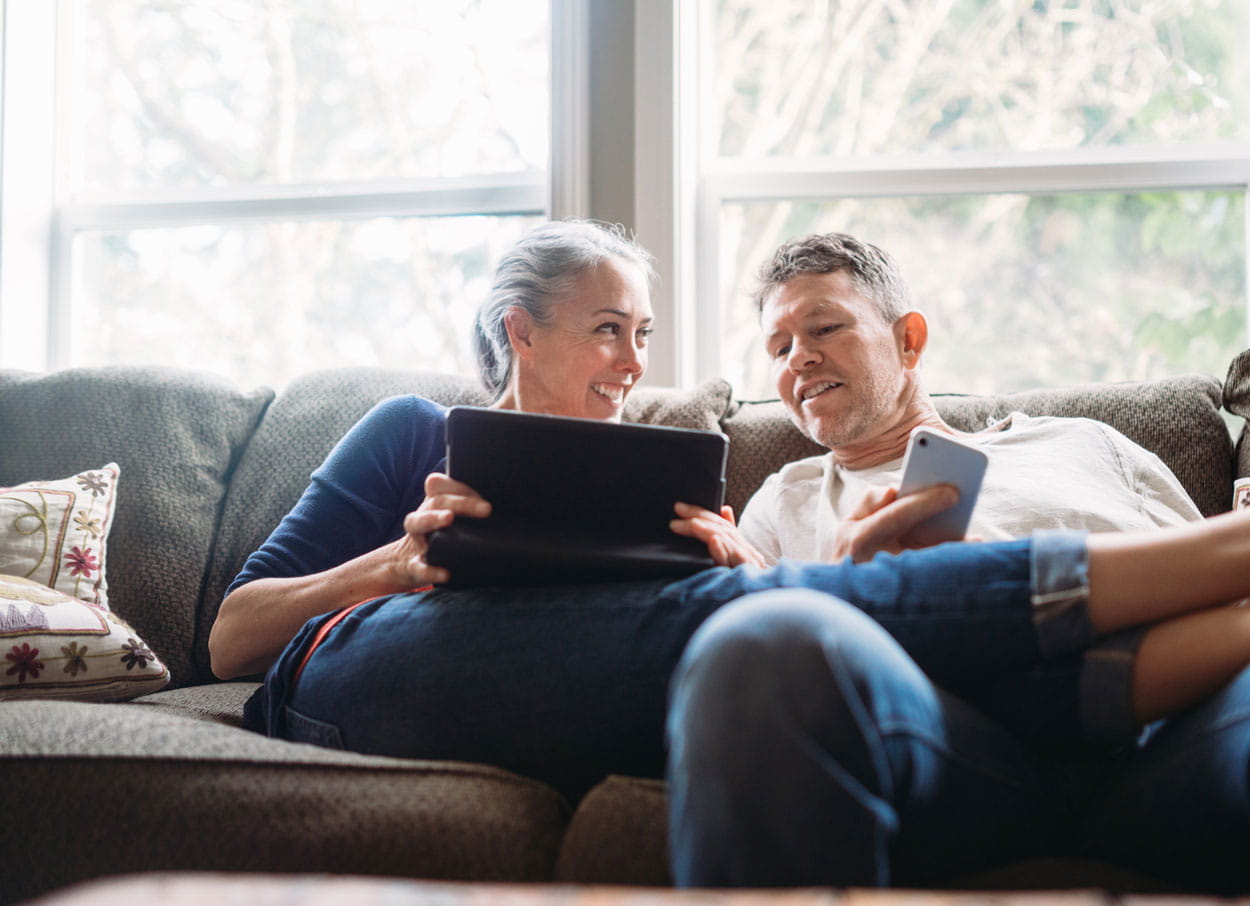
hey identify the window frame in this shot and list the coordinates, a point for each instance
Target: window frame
(628, 144)
(39, 220)
(706, 182)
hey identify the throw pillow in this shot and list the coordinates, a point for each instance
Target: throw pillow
(55, 532)
(59, 646)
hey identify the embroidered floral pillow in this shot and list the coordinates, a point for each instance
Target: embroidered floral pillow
(55, 532)
(57, 646)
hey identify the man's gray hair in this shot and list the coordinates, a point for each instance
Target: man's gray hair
(539, 272)
(872, 272)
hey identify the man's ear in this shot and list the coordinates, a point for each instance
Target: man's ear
(912, 333)
(519, 326)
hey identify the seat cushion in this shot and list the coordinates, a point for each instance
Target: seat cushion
(618, 835)
(166, 782)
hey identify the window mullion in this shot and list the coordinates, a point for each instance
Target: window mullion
(979, 174)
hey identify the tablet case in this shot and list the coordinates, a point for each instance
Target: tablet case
(575, 500)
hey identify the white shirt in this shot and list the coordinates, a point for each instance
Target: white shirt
(1043, 472)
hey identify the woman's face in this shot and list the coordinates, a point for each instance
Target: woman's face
(592, 350)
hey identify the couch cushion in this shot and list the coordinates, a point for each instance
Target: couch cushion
(59, 646)
(309, 417)
(176, 434)
(762, 439)
(618, 835)
(55, 532)
(1237, 401)
(1176, 418)
(142, 786)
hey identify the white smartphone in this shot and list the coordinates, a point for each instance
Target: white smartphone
(934, 458)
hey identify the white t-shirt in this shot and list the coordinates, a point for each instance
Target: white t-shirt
(1043, 472)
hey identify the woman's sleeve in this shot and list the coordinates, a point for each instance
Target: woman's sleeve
(358, 498)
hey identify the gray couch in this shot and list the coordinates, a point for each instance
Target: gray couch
(170, 781)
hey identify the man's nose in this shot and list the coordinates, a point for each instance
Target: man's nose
(802, 357)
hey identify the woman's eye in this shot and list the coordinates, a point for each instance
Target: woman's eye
(610, 327)
(644, 334)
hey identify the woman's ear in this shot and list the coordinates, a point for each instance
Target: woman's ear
(912, 331)
(519, 326)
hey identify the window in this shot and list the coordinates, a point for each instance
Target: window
(1063, 183)
(259, 189)
(264, 188)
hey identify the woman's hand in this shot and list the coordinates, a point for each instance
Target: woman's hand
(719, 532)
(445, 499)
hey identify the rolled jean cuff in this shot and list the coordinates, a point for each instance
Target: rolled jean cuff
(1107, 687)
(1059, 565)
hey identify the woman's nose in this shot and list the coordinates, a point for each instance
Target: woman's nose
(633, 358)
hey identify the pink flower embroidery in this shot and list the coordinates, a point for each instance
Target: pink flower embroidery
(25, 660)
(81, 562)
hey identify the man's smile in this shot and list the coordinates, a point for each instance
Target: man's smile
(815, 389)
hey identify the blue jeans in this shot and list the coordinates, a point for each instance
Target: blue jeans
(570, 684)
(809, 748)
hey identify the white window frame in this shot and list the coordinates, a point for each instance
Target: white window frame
(672, 197)
(38, 222)
(694, 185)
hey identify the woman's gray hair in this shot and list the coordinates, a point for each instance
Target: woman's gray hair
(872, 272)
(538, 272)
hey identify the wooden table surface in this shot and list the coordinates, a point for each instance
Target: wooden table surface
(205, 889)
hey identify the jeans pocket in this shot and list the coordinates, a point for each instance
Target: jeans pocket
(302, 728)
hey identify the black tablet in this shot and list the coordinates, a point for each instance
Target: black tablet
(575, 500)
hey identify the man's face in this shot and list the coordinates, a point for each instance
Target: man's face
(836, 364)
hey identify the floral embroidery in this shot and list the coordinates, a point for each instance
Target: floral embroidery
(81, 562)
(137, 654)
(74, 663)
(93, 482)
(90, 525)
(25, 660)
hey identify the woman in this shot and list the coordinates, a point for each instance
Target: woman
(564, 332)
(569, 684)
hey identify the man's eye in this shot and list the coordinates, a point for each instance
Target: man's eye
(781, 351)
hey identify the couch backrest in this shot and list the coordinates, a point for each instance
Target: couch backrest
(176, 436)
(205, 478)
(1177, 418)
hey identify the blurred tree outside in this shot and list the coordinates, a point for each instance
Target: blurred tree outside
(175, 96)
(1020, 290)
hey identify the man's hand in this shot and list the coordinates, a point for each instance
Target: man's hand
(883, 520)
(445, 499)
(719, 532)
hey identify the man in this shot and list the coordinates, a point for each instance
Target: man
(808, 748)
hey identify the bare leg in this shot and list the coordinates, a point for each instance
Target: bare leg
(1185, 660)
(1137, 578)
(1181, 580)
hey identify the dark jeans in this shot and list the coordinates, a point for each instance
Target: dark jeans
(570, 684)
(808, 748)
